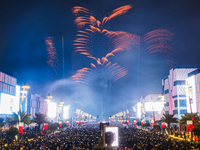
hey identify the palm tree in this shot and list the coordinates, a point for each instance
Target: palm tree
(168, 119)
(40, 119)
(14, 120)
(196, 131)
(186, 117)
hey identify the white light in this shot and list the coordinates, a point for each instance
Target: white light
(10, 103)
(156, 106)
(192, 94)
(52, 110)
(66, 112)
(139, 110)
(115, 131)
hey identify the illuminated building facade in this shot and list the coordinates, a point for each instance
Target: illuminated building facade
(151, 103)
(35, 104)
(175, 91)
(193, 91)
(9, 95)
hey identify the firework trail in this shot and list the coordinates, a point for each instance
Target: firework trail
(81, 75)
(52, 55)
(160, 40)
(111, 71)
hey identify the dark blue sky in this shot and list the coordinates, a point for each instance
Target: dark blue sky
(25, 25)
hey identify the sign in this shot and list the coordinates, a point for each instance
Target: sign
(142, 123)
(60, 123)
(45, 125)
(189, 122)
(163, 125)
(135, 121)
(191, 94)
(190, 127)
(21, 127)
(115, 131)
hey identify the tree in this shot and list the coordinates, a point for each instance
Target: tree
(138, 123)
(2, 122)
(157, 127)
(196, 131)
(64, 125)
(15, 119)
(12, 132)
(186, 117)
(168, 119)
(40, 119)
(146, 124)
(53, 126)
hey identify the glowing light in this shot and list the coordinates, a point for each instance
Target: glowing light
(66, 112)
(158, 106)
(191, 93)
(52, 110)
(115, 131)
(139, 110)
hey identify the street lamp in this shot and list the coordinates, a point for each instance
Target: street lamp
(24, 87)
(60, 109)
(153, 110)
(47, 102)
(21, 124)
(163, 100)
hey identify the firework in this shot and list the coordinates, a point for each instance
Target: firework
(81, 75)
(52, 55)
(88, 24)
(117, 12)
(160, 40)
(120, 41)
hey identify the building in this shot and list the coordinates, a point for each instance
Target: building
(152, 103)
(193, 91)
(175, 91)
(145, 108)
(9, 95)
(35, 104)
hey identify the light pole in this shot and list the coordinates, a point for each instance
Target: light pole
(24, 87)
(187, 86)
(153, 110)
(21, 124)
(60, 109)
(47, 102)
(163, 101)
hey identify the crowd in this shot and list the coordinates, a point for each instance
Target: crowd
(90, 137)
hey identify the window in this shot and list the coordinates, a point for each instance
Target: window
(176, 103)
(166, 91)
(182, 95)
(179, 82)
(175, 111)
(183, 111)
(167, 104)
(182, 103)
(166, 112)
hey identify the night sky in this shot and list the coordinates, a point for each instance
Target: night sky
(25, 25)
